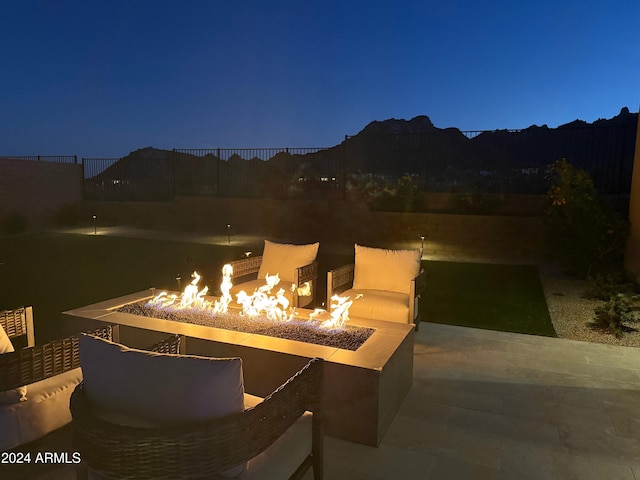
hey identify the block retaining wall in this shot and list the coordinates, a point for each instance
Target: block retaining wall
(344, 223)
(38, 190)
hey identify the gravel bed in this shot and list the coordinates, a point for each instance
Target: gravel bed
(571, 314)
(349, 338)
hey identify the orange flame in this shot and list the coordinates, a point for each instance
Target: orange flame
(263, 302)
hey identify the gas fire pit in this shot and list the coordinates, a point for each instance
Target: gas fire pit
(349, 337)
(364, 388)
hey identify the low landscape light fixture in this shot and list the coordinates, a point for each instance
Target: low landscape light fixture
(228, 233)
(95, 225)
(179, 280)
(422, 239)
(247, 254)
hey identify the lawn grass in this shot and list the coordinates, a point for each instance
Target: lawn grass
(57, 272)
(508, 298)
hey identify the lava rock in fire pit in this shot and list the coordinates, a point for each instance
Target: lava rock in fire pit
(349, 338)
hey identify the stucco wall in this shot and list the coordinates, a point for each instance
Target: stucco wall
(632, 259)
(38, 190)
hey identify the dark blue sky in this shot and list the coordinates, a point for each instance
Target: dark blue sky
(103, 78)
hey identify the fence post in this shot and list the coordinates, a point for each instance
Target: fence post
(344, 169)
(218, 160)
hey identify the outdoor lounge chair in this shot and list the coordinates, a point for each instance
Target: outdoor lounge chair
(295, 264)
(36, 382)
(187, 417)
(383, 284)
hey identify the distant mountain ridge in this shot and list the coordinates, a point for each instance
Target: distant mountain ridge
(416, 145)
(442, 159)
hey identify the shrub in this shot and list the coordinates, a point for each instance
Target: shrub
(614, 315)
(400, 196)
(584, 232)
(604, 286)
(14, 223)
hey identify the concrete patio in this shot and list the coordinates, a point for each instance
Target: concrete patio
(492, 405)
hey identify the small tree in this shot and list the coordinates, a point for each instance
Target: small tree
(583, 231)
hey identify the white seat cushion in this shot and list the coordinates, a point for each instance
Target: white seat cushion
(46, 410)
(379, 305)
(286, 454)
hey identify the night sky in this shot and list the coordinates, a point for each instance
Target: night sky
(103, 78)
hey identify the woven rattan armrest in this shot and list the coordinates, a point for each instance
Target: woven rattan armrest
(203, 449)
(168, 345)
(307, 273)
(339, 279)
(246, 266)
(32, 364)
(18, 322)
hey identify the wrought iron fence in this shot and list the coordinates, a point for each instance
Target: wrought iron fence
(155, 175)
(44, 158)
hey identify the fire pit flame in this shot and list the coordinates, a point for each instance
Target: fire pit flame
(190, 298)
(262, 302)
(339, 315)
(222, 305)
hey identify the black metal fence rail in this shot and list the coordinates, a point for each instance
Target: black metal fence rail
(246, 172)
(159, 175)
(44, 158)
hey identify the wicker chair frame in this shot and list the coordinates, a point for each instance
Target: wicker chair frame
(205, 449)
(34, 363)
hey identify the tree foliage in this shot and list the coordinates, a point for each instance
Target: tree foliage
(584, 232)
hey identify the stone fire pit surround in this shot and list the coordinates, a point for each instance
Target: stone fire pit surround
(363, 389)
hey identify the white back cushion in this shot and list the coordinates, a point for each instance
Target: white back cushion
(284, 259)
(15, 394)
(145, 388)
(381, 269)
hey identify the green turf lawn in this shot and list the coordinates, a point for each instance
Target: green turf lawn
(508, 298)
(58, 272)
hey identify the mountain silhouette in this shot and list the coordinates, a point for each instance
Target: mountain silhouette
(441, 158)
